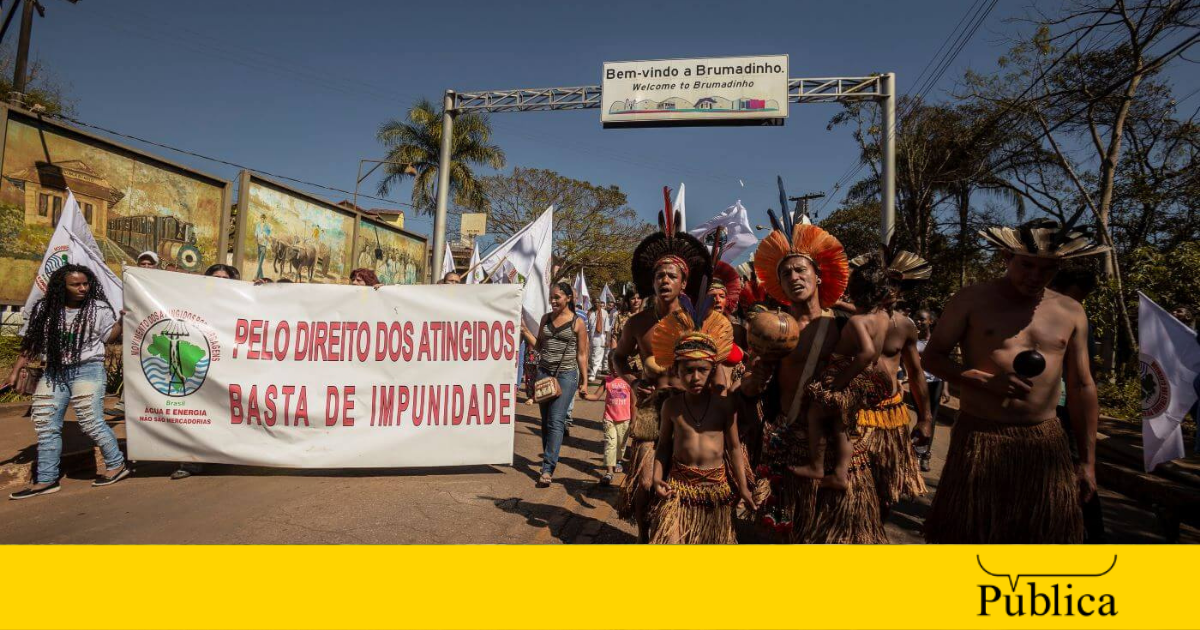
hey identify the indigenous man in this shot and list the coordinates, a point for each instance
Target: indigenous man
(1008, 476)
(696, 490)
(807, 273)
(885, 427)
(665, 264)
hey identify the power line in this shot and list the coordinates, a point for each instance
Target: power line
(978, 16)
(279, 67)
(226, 162)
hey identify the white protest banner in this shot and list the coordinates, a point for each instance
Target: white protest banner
(317, 375)
(1170, 374)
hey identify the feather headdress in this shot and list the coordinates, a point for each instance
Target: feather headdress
(677, 337)
(811, 242)
(1045, 238)
(670, 245)
(902, 266)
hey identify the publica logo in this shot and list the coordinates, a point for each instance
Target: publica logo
(1050, 594)
(175, 351)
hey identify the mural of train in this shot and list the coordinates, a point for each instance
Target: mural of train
(173, 240)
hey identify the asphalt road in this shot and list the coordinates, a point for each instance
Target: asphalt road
(480, 504)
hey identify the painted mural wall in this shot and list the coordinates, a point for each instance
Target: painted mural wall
(401, 257)
(288, 235)
(132, 203)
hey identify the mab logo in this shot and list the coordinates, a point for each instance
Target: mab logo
(1050, 594)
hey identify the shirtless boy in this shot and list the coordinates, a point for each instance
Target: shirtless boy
(692, 486)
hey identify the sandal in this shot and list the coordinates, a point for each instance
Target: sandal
(544, 481)
(606, 480)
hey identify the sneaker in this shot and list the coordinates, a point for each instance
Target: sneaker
(29, 493)
(925, 467)
(181, 473)
(105, 480)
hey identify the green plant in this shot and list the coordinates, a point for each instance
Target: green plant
(1121, 400)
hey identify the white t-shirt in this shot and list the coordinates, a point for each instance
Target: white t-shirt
(929, 378)
(102, 325)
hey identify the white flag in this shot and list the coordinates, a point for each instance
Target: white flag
(737, 225)
(528, 251)
(1170, 374)
(606, 295)
(447, 261)
(680, 207)
(583, 300)
(72, 242)
(475, 273)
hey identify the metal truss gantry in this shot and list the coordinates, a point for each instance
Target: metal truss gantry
(880, 88)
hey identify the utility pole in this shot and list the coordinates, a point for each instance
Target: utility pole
(19, 76)
(801, 209)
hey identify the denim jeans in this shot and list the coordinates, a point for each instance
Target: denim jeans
(554, 417)
(935, 404)
(84, 392)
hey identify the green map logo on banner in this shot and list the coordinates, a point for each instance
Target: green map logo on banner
(175, 357)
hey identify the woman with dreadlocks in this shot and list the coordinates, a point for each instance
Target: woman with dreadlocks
(68, 328)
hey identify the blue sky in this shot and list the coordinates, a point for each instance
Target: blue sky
(299, 88)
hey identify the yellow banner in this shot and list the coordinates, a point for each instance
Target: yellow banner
(600, 587)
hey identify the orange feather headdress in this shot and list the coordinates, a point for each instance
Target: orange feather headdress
(727, 278)
(813, 243)
(677, 338)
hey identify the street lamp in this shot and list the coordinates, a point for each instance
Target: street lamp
(408, 170)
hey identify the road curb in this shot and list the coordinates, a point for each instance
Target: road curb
(21, 473)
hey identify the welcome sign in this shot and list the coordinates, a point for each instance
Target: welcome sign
(731, 90)
(319, 376)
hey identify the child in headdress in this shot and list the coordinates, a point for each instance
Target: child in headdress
(695, 489)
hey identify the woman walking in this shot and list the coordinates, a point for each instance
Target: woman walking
(562, 342)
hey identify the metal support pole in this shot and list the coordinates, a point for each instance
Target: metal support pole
(888, 185)
(19, 76)
(443, 188)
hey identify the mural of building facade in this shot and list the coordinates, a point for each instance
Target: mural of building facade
(132, 202)
(396, 257)
(287, 234)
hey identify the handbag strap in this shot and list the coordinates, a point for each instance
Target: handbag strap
(810, 364)
(563, 356)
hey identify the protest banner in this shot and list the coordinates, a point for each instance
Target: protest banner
(319, 376)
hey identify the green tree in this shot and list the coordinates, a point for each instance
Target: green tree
(42, 89)
(417, 141)
(594, 227)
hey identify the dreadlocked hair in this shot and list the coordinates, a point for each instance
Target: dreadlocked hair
(869, 287)
(49, 334)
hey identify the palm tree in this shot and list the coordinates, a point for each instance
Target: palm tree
(417, 141)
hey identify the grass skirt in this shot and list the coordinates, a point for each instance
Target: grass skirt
(699, 512)
(850, 517)
(1006, 484)
(869, 389)
(640, 459)
(794, 510)
(893, 460)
